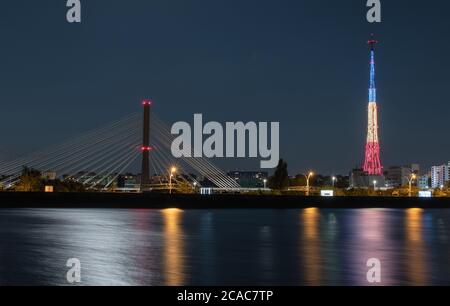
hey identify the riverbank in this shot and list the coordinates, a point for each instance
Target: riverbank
(160, 201)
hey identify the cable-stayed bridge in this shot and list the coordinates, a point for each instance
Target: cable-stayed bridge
(97, 158)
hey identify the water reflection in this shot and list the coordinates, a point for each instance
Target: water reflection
(331, 252)
(415, 247)
(311, 246)
(266, 252)
(225, 247)
(173, 247)
(371, 239)
(206, 247)
(146, 259)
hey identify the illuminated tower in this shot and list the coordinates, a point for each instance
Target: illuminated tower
(145, 173)
(372, 163)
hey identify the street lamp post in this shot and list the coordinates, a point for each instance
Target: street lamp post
(172, 172)
(411, 179)
(310, 174)
(265, 183)
(333, 179)
(194, 186)
(375, 185)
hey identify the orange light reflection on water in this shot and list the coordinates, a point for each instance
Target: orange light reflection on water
(311, 248)
(173, 247)
(415, 247)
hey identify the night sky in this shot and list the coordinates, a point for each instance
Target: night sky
(303, 63)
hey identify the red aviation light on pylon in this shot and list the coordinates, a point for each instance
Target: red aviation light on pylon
(146, 103)
(372, 41)
(146, 149)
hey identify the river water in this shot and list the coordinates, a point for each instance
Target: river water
(224, 247)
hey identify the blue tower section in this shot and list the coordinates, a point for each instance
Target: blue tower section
(372, 86)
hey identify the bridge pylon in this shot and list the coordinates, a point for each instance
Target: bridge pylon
(146, 148)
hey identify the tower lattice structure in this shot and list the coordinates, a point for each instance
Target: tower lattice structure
(372, 163)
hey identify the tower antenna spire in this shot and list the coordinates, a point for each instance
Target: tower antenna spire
(372, 41)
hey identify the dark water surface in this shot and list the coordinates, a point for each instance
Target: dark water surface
(224, 247)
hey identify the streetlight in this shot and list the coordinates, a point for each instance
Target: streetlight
(375, 185)
(411, 179)
(265, 183)
(173, 170)
(310, 174)
(333, 179)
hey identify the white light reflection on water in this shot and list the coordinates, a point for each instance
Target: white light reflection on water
(224, 247)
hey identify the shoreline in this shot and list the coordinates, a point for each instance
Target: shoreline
(224, 201)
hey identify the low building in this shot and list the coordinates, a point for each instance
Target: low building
(398, 176)
(127, 181)
(249, 179)
(49, 175)
(423, 182)
(440, 175)
(360, 179)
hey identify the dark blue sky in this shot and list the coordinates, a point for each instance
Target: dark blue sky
(303, 63)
